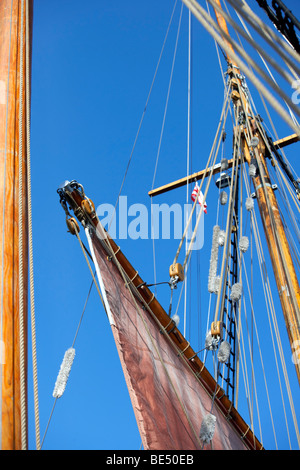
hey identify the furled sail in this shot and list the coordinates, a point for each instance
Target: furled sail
(168, 399)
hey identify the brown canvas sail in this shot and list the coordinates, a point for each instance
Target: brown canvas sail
(168, 399)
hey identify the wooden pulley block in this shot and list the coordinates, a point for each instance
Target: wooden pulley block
(235, 95)
(88, 206)
(72, 223)
(216, 328)
(176, 270)
(234, 83)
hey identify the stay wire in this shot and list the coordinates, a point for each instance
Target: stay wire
(144, 112)
(85, 252)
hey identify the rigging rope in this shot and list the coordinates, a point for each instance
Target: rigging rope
(144, 112)
(209, 25)
(188, 166)
(73, 344)
(284, 269)
(264, 62)
(161, 136)
(30, 242)
(211, 161)
(266, 32)
(220, 302)
(21, 248)
(254, 44)
(271, 312)
(168, 96)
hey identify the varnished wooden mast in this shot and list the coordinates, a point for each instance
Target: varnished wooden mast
(284, 270)
(11, 38)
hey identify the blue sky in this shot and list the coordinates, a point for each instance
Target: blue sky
(92, 67)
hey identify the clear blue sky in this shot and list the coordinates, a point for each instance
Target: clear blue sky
(92, 67)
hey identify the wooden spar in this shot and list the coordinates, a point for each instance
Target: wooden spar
(217, 168)
(187, 179)
(283, 266)
(291, 139)
(11, 39)
(284, 270)
(74, 200)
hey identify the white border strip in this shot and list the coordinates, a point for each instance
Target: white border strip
(107, 307)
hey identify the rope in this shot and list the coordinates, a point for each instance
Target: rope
(89, 266)
(144, 112)
(73, 344)
(3, 198)
(161, 136)
(284, 271)
(224, 112)
(30, 243)
(271, 316)
(274, 319)
(264, 62)
(205, 195)
(23, 410)
(253, 43)
(168, 95)
(265, 31)
(209, 25)
(228, 231)
(188, 166)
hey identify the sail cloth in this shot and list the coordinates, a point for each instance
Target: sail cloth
(168, 401)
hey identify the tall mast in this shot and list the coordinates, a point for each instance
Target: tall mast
(14, 15)
(283, 266)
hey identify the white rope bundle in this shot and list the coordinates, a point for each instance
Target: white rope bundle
(249, 204)
(244, 244)
(213, 261)
(236, 292)
(223, 198)
(224, 352)
(211, 342)
(252, 170)
(222, 236)
(208, 428)
(64, 373)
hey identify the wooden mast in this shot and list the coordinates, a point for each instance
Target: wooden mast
(12, 145)
(283, 266)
